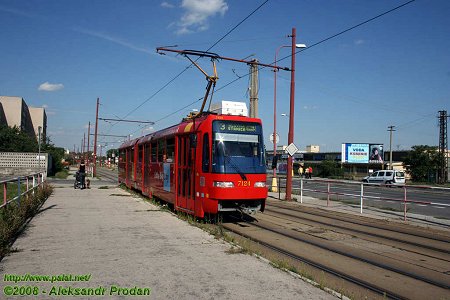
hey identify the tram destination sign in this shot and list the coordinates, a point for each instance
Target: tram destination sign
(236, 127)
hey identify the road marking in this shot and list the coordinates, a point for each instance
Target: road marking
(438, 207)
(421, 205)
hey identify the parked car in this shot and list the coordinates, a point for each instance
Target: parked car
(386, 177)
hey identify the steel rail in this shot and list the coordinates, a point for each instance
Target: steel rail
(367, 261)
(372, 225)
(371, 234)
(321, 267)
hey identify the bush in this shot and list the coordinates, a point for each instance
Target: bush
(15, 214)
(330, 169)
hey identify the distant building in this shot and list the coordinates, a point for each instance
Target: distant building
(2, 115)
(15, 112)
(39, 119)
(313, 149)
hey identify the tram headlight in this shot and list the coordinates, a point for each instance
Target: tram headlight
(223, 184)
(260, 184)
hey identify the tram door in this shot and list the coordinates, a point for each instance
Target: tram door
(185, 173)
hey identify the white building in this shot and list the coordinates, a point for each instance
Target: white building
(15, 112)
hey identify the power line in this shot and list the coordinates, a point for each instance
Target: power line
(185, 69)
(351, 28)
(281, 59)
(325, 40)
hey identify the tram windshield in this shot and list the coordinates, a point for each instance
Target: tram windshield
(238, 148)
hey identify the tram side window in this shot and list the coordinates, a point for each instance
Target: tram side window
(161, 146)
(153, 152)
(141, 150)
(131, 155)
(170, 149)
(205, 159)
(147, 153)
(122, 155)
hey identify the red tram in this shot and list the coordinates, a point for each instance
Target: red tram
(209, 164)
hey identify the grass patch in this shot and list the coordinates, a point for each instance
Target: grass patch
(62, 174)
(14, 216)
(280, 264)
(12, 189)
(237, 250)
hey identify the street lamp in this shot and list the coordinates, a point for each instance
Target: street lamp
(39, 143)
(274, 179)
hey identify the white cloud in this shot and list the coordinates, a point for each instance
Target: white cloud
(45, 106)
(167, 5)
(50, 87)
(197, 13)
(113, 40)
(359, 42)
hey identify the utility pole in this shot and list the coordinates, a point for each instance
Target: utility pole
(84, 145)
(89, 135)
(391, 129)
(291, 119)
(254, 89)
(443, 146)
(94, 171)
(39, 142)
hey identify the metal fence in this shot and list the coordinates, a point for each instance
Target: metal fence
(23, 185)
(361, 193)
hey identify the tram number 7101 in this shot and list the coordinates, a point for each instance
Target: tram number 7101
(244, 183)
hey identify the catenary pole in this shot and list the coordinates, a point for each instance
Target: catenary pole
(89, 135)
(291, 119)
(391, 129)
(94, 171)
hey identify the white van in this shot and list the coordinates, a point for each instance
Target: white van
(386, 177)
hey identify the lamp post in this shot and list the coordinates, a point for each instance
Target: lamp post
(274, 179)
(291, 115)
(39, 143)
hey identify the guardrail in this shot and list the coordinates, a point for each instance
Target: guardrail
(362, 194)
(31, 182)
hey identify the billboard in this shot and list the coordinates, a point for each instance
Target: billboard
(362, 153)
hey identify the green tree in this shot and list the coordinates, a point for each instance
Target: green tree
(14, 140)
(57, 154)
(330, 168)
(109, 153)
(422, 163)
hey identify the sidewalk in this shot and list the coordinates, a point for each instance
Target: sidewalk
(371, 212)
(120, 240)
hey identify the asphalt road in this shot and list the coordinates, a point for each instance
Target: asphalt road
(429, 202)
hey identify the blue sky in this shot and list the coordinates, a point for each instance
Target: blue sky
(392, 71)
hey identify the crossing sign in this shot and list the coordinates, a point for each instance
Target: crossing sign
(291, 149)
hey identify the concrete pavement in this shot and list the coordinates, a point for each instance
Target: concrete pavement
(115, 239)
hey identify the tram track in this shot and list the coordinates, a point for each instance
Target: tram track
(370, 222)
(426, 274)
(322, 267)
(107, 174)
(439, 249)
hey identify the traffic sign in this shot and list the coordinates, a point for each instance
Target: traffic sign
(277, 138)
(291, 149)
